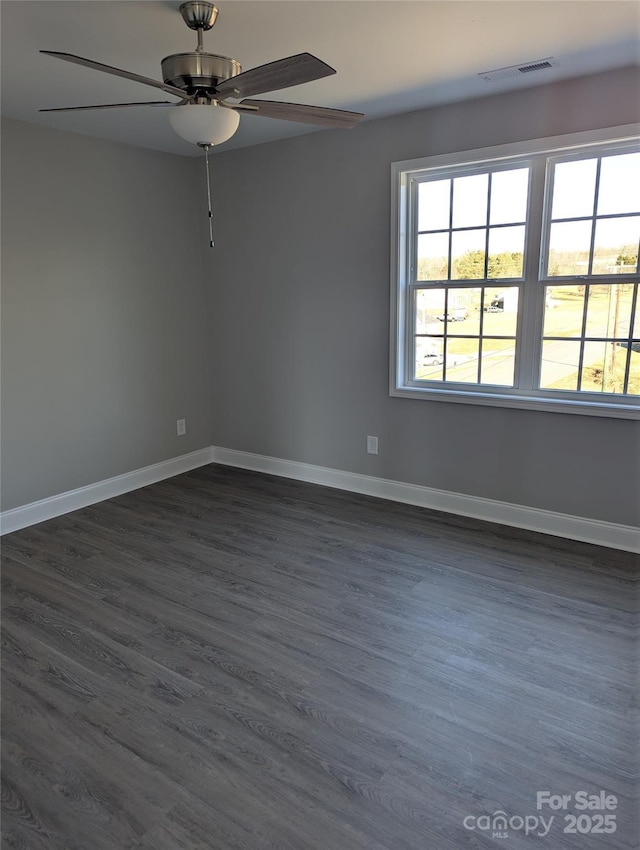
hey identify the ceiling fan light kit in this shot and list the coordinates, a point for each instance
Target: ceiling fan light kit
(205, 82)
(204, 124)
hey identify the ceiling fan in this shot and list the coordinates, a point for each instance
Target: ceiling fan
(205, 83)
(213, 90)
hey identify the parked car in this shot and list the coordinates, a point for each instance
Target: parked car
(432, 358)
(496, 306)
(459, 314)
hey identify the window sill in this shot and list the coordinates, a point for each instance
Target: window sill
(522, 401)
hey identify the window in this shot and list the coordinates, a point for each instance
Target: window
(516, 277)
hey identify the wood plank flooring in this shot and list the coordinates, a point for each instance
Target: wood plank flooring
(232, 661)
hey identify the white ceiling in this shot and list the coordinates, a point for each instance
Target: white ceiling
(391, 57)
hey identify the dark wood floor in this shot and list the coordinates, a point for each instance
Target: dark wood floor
(229, 660)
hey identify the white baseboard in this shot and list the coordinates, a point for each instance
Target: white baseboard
(534, 519)
(602, 533)
(72, 500)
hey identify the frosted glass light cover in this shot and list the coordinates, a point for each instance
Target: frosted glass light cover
(204, 124)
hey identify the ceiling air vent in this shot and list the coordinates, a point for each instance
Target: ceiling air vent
(517, 70)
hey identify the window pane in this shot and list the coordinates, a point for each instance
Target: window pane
(462, 360)
(603, 367)
(509, 190)
(574, 185)
(500, 311)
(506, 252)
(592, 366)
(560, 365)
(429, 358)
(609, 310)
(429, 305)
(498, 362)
(463, 312)
(569, 247)
(563, 310)
(633, 388)
(468, 253)
(433, 252)
(619, 190)
(470, 195)
(615, 249)
(434, 200)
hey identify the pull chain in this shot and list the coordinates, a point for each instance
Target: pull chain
(206, 166)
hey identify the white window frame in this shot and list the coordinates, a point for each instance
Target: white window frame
(531, 304)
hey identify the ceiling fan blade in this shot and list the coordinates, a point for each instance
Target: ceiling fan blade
(303, 113)
(292, 71)
(110, 106)
(117, 72)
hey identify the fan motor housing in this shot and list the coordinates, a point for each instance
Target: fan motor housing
(192, 71)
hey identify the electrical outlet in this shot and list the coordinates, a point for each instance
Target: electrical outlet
(181, 427)
(372, 445)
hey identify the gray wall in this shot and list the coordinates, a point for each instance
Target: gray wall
(104, 340)
(298, 288)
